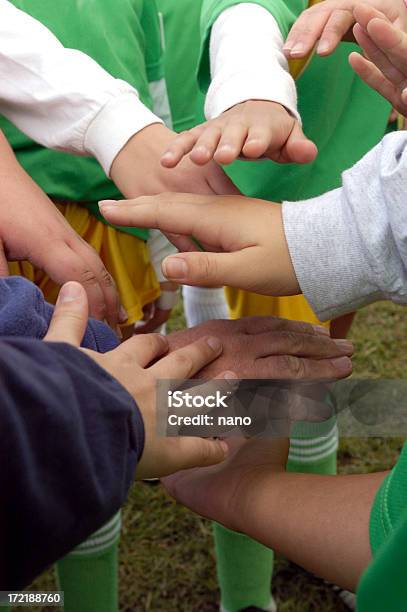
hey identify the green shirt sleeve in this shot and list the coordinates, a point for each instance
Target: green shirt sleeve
(285, 12)
(383, 586)
(390, 504)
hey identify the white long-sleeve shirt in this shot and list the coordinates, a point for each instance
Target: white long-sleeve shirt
(61, 97)
(255, 70)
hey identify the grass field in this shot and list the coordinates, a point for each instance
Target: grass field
(167, 559)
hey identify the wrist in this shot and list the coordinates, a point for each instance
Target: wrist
(139, 159)
(283, 273)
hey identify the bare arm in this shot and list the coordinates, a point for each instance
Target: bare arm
(320, 522)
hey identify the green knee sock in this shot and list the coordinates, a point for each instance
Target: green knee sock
(244, 570)
(244, 566)
(89, 575)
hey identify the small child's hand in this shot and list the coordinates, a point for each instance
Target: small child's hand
(252, 130)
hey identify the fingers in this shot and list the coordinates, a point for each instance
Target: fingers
(257, 142)
(115, 313)
(305, 32)
(338, 24)
(369, 73)
(173, 213)
(289, 367)
(391, 41)
(70, 318)
(206, 145)
(181, 146)
(378, 57)
(214, 269)
(316, 346)
(189, 360)
(62, 263)
(232, 142)
(298, 148)
(144, 349)
(198, 452)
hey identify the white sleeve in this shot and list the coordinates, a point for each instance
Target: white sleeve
(61, 97)
(247, 61)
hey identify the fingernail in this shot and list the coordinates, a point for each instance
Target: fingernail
(404, 95)
(320, 329)
(214, 343)
(167, 155)
(323, 46)
(123, 314)
(175, 267)
(343, 364)
(345, 345)
(70, 292)
(287, 47)
(297, 49)
(104, 203)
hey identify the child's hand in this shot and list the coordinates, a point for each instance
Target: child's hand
(244, 239)
(131, 365)
(330, 21)
(386, 47)
(253, 129)
(137, 169)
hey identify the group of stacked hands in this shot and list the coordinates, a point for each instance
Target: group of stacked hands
(94, 423)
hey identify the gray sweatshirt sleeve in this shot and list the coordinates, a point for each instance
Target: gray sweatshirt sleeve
(349, 246)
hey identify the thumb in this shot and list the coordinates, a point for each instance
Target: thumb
(207, 269)
(298, 148)
(70, 318)
(201, 452)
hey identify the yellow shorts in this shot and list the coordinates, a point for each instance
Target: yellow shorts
(245, 304)
(126, 257)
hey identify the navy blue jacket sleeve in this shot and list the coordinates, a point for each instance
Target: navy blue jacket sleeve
(70, 438)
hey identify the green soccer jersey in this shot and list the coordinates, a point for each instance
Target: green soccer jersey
(123, 36)
(342, 115)
(383, 586)
(180, 21)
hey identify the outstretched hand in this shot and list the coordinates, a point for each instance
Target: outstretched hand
(244, 240)
(250, 130)
(138, 364)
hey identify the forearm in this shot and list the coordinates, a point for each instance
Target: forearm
(67, 427)
(247, 61)
(61, 97)
(319, 522)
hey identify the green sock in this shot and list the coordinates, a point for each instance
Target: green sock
(89, 575)
(244, 566)
(244, 570)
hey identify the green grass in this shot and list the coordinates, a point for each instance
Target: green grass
(167, 560)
